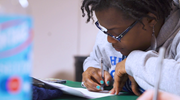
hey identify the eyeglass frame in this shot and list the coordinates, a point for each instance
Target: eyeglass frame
(120, 36)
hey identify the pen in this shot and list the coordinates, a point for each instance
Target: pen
(54, 80)
(102, 74)
(158, 72)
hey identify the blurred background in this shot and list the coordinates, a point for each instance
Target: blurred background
(60, 35)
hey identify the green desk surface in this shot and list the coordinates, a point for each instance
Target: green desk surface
(78, 84)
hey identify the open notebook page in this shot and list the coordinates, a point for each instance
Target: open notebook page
(81, 92)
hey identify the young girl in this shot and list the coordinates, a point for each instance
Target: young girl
(137, 29)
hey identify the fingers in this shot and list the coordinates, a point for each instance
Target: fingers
(112, 91)
(107, 78)
(92, 86)
(117, 87)
(96, 76)
(119, 82)
(120, 77)
(134, 86)
(92, 80)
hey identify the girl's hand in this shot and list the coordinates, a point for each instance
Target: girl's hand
(92, 79)
(120, 79)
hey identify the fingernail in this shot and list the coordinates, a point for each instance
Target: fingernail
(109, 92)
(98, 87)
(107, 82)
(102, 88)
(102, 82)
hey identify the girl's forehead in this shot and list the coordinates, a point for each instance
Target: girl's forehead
(111, 16)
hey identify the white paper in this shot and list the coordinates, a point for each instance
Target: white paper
(81, 92)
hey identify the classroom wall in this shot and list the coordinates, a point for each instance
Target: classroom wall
(60, 34)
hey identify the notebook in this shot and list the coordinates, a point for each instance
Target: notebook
(81, 92)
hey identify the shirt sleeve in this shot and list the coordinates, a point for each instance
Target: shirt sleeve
(142, 66)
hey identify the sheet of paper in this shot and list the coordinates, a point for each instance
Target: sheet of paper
(81, 92)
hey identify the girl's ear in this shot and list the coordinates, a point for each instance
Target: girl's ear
(152, 22)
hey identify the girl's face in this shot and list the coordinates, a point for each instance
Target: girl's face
(136, 38)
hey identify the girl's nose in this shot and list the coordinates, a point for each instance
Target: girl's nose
(111, 40)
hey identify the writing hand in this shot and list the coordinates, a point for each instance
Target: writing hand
(92, 79)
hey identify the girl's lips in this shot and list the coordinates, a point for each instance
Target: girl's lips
(116, 49)
(121, 50)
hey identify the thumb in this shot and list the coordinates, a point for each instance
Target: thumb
(107, 78)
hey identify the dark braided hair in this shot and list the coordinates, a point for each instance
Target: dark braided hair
(135, 9)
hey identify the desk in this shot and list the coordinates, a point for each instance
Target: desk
(78, 84)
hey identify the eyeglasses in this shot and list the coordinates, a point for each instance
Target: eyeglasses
(118, 38)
